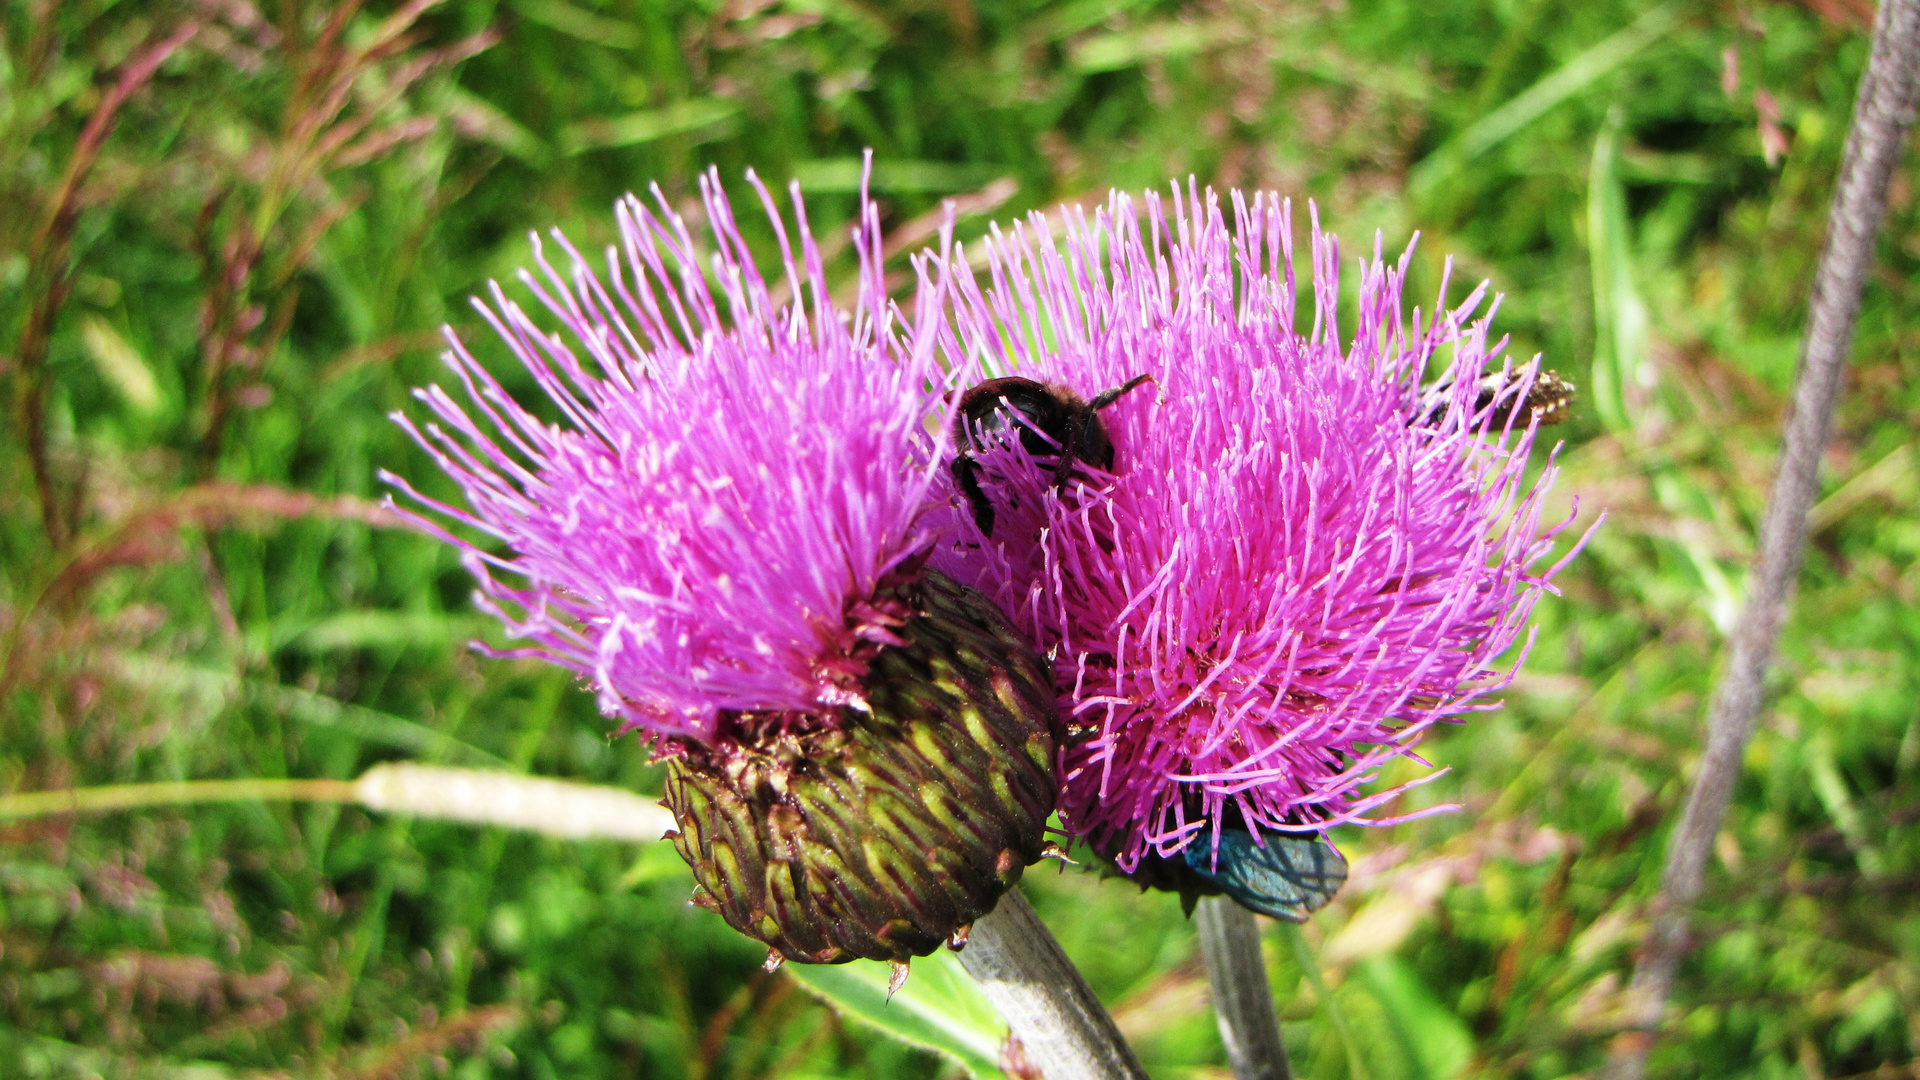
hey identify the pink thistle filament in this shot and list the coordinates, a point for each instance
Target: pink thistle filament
(1300, 563)
(731, 478)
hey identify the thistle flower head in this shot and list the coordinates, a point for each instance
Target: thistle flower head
(726, 533)
(1300, 562)
(730, 482)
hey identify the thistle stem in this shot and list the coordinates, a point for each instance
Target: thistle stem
(1061, 1027)
(1242, 998)
(1882, 115)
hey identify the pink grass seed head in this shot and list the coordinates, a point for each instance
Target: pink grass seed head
(1302, 560)
(729, 477)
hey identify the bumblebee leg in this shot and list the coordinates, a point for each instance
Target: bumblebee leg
(1069, 450)
(966, 473)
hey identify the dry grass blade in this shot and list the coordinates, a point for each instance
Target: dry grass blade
(466, 1029)
(558, 808)
(145, 535)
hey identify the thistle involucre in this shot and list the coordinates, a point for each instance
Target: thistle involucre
(1302, 560)
(724, 534)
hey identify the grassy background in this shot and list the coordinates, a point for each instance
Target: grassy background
(213, 314)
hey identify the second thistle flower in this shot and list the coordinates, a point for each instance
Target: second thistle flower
(1292, 560)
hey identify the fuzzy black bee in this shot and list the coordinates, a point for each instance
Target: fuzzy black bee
(1050, 413)
(1549, 400)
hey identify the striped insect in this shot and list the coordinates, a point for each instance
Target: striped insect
(1548, 400)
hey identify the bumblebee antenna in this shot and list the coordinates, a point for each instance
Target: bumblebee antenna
(1108, 397)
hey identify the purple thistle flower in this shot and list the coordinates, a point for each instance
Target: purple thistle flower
(727, 535)
(731, 481)
(1301, 562)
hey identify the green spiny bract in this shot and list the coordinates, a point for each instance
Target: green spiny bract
(884, 833)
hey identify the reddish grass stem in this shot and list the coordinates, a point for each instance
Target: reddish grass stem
(47, 259)
(1883, 114)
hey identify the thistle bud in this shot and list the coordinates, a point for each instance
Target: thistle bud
(882, 834)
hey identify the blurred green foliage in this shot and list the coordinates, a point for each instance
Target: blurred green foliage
(208, 307)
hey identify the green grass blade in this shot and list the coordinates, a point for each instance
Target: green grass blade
(1569, 79)
(940, 1008)
(1303, 955)
(378, 630)
(1532, 103)
(1433, 1040)
(302, 705)
(705, 118)
(580, 23)
(841, 176)
(1619, 314)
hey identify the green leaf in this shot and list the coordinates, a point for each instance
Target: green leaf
(480, 120)
(825, 176)
(1433, 1040)
(1534, 102)
(1619, 313)
(209, 689)
(706, 118)
(378, 630)
(1124, 49)
(940, 1009)
(1303, 955)
(582, 24)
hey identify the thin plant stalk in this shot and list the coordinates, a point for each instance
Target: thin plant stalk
(1883, 113)
(112, 797)
(558, 808)
(1061, 1028)
(1242, 997)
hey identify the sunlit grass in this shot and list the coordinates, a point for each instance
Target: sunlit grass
(231, 313)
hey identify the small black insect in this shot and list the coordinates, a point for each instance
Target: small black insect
(1549, 400)
(1072, 424)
